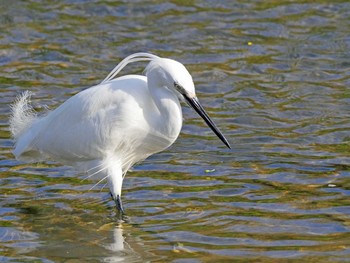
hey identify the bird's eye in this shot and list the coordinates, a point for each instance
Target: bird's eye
(178, 87)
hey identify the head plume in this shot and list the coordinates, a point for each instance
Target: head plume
(129, 59)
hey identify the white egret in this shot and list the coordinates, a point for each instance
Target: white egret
(111, 126)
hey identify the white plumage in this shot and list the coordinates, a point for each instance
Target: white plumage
(111, 126)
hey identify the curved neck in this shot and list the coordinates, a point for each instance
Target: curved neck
(168, 121)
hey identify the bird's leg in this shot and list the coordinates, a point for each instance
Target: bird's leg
(118, 203)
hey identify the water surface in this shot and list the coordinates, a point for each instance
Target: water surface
(273, 75)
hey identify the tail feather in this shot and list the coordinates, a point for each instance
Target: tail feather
(23, 115)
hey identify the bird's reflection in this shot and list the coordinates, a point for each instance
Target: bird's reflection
(121, 250)
(118, 239)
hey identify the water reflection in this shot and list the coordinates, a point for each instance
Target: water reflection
(122, 245)
(118, 244)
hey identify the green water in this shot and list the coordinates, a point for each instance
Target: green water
(274, 75)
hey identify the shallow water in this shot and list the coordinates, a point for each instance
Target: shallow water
(273, 75)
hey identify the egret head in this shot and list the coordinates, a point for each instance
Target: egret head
(163, 72)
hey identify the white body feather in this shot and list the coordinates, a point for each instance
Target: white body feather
(115, 118)
(105, 129)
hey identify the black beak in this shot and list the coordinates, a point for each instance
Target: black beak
(194, 103)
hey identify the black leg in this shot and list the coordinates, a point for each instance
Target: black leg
(118, 203)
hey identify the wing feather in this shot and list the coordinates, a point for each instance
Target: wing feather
(89, 124)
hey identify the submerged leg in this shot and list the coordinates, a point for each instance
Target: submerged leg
(118, 203)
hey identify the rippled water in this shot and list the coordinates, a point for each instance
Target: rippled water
(274, 75)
